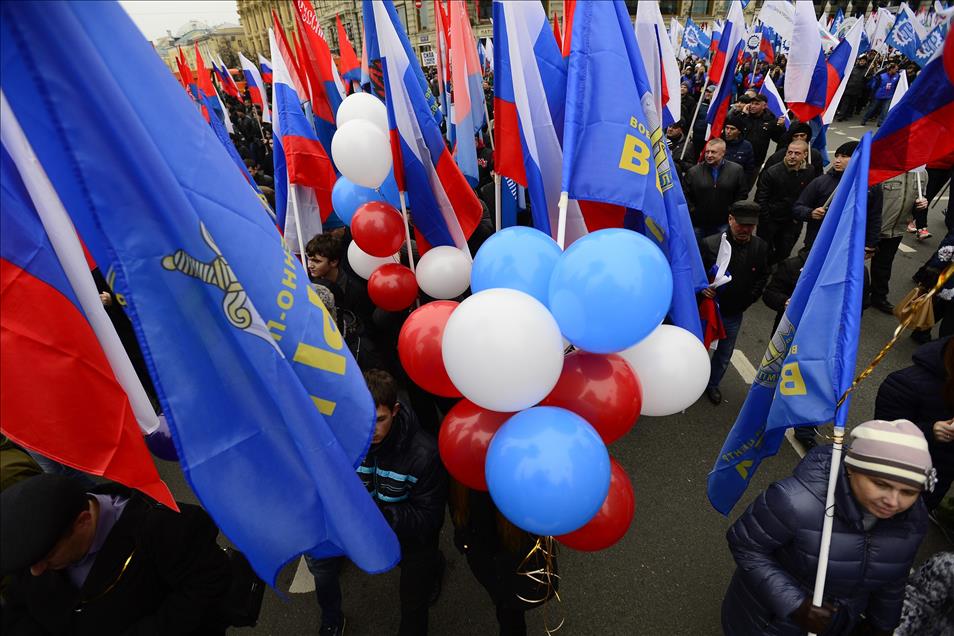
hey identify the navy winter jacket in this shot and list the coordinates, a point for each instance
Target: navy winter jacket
(775, 544)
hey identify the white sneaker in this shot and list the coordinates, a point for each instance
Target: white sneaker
(912, 227)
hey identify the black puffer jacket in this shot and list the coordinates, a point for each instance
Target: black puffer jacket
(916, 393)
(709, 200)
(775, 546)
(405, 477)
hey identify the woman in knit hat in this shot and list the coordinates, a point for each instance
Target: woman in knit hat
(879, 522)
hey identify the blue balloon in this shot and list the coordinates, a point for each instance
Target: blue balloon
(547, 470)
(347, 197)
(520, 258)
(609, 290)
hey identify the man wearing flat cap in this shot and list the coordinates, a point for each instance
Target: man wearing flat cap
(106, 562)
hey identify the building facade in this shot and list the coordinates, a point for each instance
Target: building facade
(418, 18)
(224, 40)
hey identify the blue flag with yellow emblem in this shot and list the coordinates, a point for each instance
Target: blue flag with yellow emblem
(810, 361)
(268, 410)
(614, 147)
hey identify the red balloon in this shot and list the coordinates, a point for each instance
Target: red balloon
(392, 287)
(602, 389)
(463, 441)
(613, 519)
(378, 228)
(419, 347)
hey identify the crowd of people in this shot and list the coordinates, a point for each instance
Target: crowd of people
(93, 558)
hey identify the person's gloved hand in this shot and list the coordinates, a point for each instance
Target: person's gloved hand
(811, 618)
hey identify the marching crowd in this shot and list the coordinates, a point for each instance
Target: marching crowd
(85, 558)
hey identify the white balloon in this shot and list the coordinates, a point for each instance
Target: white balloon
(444, 272)
(363, 106)
(502, 349)
(362, 153)
(364, 264)
(673, 369)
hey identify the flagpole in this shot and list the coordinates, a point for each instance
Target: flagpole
(293, 200)
(918, 175)
(69, 252)
(692, 124)
(822, 572)
(498, 221)
(407, 230)
(561, 223)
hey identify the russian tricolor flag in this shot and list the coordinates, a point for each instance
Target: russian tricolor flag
(444, 207)
(265, 67)
(920, 127)
(839, 64)
(255, 86)
(529, 102)
(806, 76)
(304, 175)
(775, 104)
(725, 44)
(659, 61)
(349, 63)
(468, 91)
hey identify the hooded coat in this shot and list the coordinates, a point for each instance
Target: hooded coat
(775, 544)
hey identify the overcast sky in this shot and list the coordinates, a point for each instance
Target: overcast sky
(155, 17)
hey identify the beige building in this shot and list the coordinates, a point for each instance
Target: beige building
(417, 17)
(224, 40)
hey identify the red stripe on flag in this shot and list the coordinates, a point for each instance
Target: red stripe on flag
(922, 142)
(308, 165)
(398, 162)
(569, 9)
(600, 216)
(462, 197)
(508, 154)
(60, 396)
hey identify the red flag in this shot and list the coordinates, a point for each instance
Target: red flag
(556, 31)
(184, 70)
(204, 78)
(317, 63)
(569, 8)
(348, 61)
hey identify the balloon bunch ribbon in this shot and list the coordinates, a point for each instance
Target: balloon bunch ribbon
(543, 576)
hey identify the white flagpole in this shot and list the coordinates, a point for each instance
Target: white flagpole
(918, 175)
(299, 230)
(56, 221)
(561, 223)
(498, 220)
(407, 230)
(819, 593)
(692, 124)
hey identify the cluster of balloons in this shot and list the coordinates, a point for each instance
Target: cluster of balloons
(365, 198)
(533, 425)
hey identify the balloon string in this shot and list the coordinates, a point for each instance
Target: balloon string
(544, 577)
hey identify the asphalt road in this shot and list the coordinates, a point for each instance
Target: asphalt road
(668, 575)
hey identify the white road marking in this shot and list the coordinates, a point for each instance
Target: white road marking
(904, 248)
(303, 582)
(837, 132)
(857, 126)
(743, 366)
(854, 139)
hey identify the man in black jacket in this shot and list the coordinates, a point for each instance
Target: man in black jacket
(763, 128)
(797, 132)
(778, 188)
(107, 562)
(737, 149)
(711, 187)
(749, 268)
(812, 204)
(405, 477)
(853, 97)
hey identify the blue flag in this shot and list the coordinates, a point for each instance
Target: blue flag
(930, 44)
(610, 126)
(903, 36)
(810, 361)
(695, 39)
(268, 410)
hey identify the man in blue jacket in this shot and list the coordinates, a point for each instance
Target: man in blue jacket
(883, 85)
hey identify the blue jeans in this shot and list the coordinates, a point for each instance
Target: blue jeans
(723, 351)
(878, 107)
(327, 588)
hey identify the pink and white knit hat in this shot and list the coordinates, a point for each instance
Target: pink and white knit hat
(893, 450)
